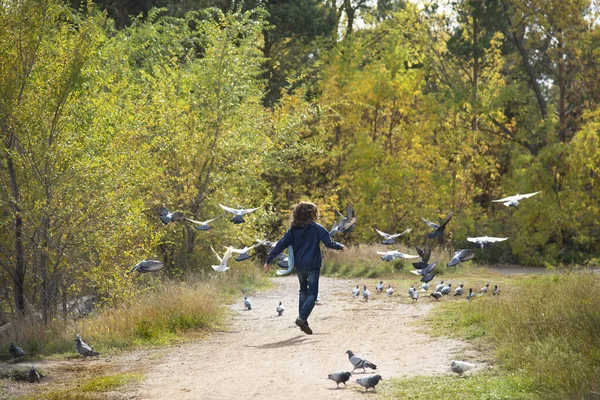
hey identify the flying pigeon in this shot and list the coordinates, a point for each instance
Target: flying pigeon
(359, 362)
(223, 266)
(436, 295)
(340, 377)
(471, 294)
(247, 303)
(84, 349)
(425, 254)
(439, 287)
(428, 278)
(203, 225)
(369, 381)
(147, 266)
(447, 289)
(425, 287)
(389, 291)
(243, 253)
(425, 271)
(366, 293)
(280, 308)
(15, 351)
(390, 255)
(484, 289)
(33, 376)
(439, 229)
(379, 287)
(356, 291)
(485, 241)
(460, 367)
(461, 256)
(389, 238)
(346, 223)
(496, 291)
(166, 216)
(512, 201)
(238, 215)
(459, 290)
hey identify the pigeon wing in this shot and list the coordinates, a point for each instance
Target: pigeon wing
(430, 224)
(383, 234)
(218, 256)
(228, 209)
(447, 219)
(248, 210)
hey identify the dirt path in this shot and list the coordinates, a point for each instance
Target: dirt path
(263, 356)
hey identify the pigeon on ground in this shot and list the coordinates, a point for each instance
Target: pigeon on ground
(436, 295)
(390, 255)
(484, 289)
(247, 303)
(15, 351)
(459, 290)
(439, 229)
(513, 201)
(496, 291)
(411, 289)
(389, 291)
(425, 287)
(460, 367)
(356, 291)
(485, 241)
(471, 294)
(33, 376)
(389, 238)
(358, 362)
(369, 382)
(280, 308)
(415, 295)
(428, 278)
(222, 267)
(425, 254)
(366, 293)
(203, 225)
(340, 377)
(147, 266)
(425, 271)
(243, 253)
(84, 349)
(346, 223)
(447, 289)
(461, 256)
(439, 287)
(238, 214)
(166, 216)
(379, 287)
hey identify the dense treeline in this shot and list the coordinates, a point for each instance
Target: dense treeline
(108, 111)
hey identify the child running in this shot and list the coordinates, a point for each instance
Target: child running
(305, 236)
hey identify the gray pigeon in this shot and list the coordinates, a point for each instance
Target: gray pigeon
(203, 225)
(369, 381)
(415, 295)
(447, 289)
(459, 290)
(356, 291)
(280, 309)
(425, 254)
(340, 377)
(359, 362)
(83, 349)
(436, 295)
(366, 293)
(389, 291)
(496, 290)
(33, 376)
(460, 367)
(379, 287)
(247, 303)
(411, 290)
(484, 289)
(345, 224)
(471, 294)
(425, 287)
(429, 277)
(147, 266)
(461, 256)
(439, 229)
(15, 351)
(439, 287)
(166, 216)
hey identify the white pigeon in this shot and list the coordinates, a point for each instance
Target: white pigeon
(389, 238)
(356, 291)
(390, 255)
(459, 290)
(379, 287)
(389, 291)
(223, 266)
(203, 225)
(460, 367)
(366, 293)
(512, 201)
(484, 289)
(238, 214)
(244, 252)
(484, 241)
(280, 309)
(247, 303)
(425, 287)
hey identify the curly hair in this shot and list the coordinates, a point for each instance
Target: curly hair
(304, 213)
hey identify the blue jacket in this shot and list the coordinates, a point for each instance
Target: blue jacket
(305, 243)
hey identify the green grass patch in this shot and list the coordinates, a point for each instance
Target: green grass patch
(109, 382)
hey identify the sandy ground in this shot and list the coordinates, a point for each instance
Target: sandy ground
(264, 356)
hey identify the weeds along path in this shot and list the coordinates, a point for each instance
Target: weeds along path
(264, 356)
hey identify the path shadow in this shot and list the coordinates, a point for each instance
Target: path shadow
(300, 339)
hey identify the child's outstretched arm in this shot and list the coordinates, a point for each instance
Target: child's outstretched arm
(281, 245)
(328, 242)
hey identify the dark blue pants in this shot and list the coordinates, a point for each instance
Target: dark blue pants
(309, 289)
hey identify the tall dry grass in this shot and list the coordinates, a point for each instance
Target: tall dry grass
(155, 317)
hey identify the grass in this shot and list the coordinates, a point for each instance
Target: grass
(92, 389)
